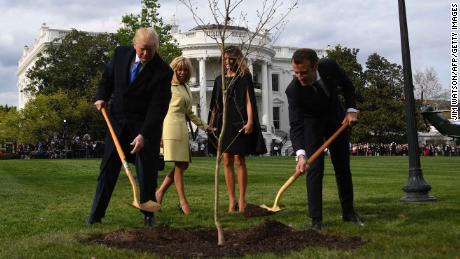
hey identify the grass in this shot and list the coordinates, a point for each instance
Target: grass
(44, 205)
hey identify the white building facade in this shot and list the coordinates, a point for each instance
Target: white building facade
(270, 66)
(29, 57)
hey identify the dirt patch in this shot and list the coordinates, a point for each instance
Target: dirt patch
(268, 237)
(252, 210)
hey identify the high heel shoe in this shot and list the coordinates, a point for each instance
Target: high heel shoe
(241, 210)
(157, 197)
(179, 206)
(235, 208)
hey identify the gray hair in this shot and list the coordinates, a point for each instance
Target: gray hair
(147, 34)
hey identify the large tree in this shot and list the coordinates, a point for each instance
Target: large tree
(71, 64)
(149, 17)
(382, 109)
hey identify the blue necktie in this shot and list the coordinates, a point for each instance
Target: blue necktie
(134, 71)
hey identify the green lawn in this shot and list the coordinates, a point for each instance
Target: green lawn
(44, 205)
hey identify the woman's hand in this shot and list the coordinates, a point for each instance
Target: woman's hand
(248, 128)
(210, 129)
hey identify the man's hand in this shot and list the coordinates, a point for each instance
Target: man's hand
(350, 118)
(99, 104)
(302, 165)
(138, 144)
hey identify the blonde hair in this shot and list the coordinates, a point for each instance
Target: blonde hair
(182, 62)
(147, 34)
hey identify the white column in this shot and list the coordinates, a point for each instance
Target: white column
(270, 100)
(203, 104)
(265, 95)
(250, 66)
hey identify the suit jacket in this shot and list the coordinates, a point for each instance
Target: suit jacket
(321, 103)
(142, 105)
(175, 124)
(180, 107)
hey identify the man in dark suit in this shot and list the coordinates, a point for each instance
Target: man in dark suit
(315, 113)
(139, 83)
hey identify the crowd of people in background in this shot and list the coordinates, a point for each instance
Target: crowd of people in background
(394, 149)
(78, 147)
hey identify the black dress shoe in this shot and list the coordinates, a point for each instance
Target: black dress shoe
(317, 225)
(149, 221)
(93, 220)
(353, 218)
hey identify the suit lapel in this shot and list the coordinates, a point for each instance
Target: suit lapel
(149, 71)
(128, 58)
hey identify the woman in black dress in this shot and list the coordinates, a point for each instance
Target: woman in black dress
(242, 134)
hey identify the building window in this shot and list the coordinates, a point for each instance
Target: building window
(275, 82)
(276, 117)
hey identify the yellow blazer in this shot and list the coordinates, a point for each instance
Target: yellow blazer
(175, 133)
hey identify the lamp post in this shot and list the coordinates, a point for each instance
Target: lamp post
(416, 188)
(63, 135)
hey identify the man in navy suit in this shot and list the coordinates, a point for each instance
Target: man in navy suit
(138, 82)
(315, 113)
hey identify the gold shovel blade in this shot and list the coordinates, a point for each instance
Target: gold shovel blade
(149, 206)
(272, 209)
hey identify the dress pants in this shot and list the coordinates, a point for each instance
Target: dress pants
(146, 171)
(316, 132)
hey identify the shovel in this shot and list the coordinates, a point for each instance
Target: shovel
(150, 205)
(296, 175)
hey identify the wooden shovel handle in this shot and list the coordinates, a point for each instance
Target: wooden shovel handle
(321, 149)
(122, 156)
(114, 136)
(310, 160)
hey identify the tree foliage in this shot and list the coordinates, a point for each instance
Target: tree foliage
(6, 108)
(49, 115)
(348, 60)
(71, 64)
(8, 124)
(149, 17)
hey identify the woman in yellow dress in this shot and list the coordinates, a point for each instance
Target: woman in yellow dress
(175, 134)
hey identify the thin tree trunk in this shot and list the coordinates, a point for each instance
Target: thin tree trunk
(220, 231)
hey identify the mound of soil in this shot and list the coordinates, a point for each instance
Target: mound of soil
(268, 237)
(252, 210)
